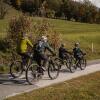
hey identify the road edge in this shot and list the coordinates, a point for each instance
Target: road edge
(90, 62)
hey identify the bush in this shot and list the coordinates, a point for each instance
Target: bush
(50, 13)
(23, 24)
(3, 10)
(46, 28)
(2, 68)
(17, 27)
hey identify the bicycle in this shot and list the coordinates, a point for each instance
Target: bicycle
(81, 63)
(69, 63)
(17, 67)
(32, 72)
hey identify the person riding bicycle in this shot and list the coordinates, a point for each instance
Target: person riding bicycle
(22, 48)
(40, 52)
(63, 53)
(78, 53)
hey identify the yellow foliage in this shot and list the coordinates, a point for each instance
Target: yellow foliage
(18, 2)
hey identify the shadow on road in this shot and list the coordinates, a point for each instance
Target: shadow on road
(64, 71)
(5, 79)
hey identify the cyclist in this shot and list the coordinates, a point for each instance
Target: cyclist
(40, 52)
(78, 53)
(63, 53)
(22, 49)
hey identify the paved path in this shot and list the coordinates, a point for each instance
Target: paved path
(9, 87)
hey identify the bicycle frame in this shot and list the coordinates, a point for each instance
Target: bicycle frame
(78, 61)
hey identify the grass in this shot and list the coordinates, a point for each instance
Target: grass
(86, 41)
(82, 88)
(69, 27)
(4, 22)
(84, 33)
(71, 32)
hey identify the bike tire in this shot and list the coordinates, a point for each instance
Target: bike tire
(58, 61)
(16, 69)
(83, 64)
(53, 70)
(32, 70)
(71, 65)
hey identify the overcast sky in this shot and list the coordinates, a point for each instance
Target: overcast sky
(96, 2)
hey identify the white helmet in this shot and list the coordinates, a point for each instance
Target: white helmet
(25, 35)
(77, 44)
(44, 38)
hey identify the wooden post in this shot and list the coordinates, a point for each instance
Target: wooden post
(92, 47)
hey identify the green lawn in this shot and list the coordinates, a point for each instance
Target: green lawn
(68, 27)
(82, 88)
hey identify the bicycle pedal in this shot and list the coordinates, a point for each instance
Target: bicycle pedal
(43, 68)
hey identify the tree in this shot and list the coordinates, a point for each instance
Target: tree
(18, 3)
(37, 6)
(98, 16)
(28, 6)
(66, 9)
(54, 4)
(3, 9)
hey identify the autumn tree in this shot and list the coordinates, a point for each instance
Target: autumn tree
(3, 9)
(18, 26)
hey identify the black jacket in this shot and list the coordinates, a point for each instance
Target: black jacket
(62, 52)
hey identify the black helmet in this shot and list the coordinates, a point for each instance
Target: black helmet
(62, 45)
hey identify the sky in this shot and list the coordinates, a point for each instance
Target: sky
(95, 2)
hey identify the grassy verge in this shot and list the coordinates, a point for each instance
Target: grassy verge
(82, 88)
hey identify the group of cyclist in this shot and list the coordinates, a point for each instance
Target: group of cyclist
(40, 48)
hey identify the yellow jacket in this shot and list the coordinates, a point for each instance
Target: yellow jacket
(23, 45)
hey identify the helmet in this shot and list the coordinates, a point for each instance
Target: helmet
(25, 35)
(77, 44)
(44, 38)
(62, 45)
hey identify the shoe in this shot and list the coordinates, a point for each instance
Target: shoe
(24, 68)
(43, 68)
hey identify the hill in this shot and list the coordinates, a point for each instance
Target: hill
(71, 32)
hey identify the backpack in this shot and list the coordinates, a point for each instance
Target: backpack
(77, 52)
(38, 47)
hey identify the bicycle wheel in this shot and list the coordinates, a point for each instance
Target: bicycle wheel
(58, 61)
(53, 70)
(16, 69)
(71, 65)
(32, 74)
(83, 64)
